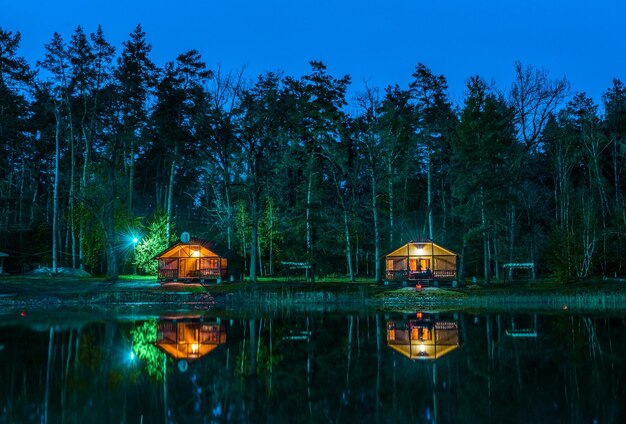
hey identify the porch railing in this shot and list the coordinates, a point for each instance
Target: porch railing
(208, 273)
(396, 275)
(403, 275)
(168, 274)
(444, 274)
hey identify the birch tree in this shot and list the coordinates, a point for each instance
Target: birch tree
(435, 123)
(261, 123)
(321, 98)
(368, 138)
(217, 135)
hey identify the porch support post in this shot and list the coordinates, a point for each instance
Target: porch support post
(408, 254)
(432, 259)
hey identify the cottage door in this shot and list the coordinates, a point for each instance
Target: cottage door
(188, 267)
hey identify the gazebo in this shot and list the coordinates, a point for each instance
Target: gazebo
(199, 260)
(421, 260)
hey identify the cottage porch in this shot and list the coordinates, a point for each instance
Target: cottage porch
(193, 268)
(421, 261)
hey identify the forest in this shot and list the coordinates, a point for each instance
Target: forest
(99, 144)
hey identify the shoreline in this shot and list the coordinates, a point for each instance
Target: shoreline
(47, 295)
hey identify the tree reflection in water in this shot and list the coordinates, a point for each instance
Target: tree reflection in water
(314, 368)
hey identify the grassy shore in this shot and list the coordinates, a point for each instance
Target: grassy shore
(45, 292)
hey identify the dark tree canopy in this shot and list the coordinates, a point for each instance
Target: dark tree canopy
(302, 168)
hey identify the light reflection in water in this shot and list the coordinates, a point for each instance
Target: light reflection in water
(419, 367)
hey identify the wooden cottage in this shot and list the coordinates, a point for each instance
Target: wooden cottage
(421, 260)
(189, 339)
(199, 260)
(424, 337)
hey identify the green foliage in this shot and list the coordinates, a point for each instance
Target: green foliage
(559, 255)
(151, 244)
(242, 219)
(144, 338)
(491, 174)
(94, 245)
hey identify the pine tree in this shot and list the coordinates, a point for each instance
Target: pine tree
(136, 77)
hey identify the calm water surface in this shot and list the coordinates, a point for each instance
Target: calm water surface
(395, 367)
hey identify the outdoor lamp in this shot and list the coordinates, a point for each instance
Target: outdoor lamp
(422, 349)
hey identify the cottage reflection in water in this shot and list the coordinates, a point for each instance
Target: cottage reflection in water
(426, 337)
(184, 338)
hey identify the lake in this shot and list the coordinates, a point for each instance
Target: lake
(225, 366)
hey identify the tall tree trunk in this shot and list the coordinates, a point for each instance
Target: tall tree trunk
(72, 195)
(170, 193)
(496, 253)
(230, 230)
(55, 207)
(271, 239)
(444, 212)
(391, 205)
(377, 275)
(82, 188)
(356, 255)
(429, 194)
(512, 234)
(254, 235)
(346, 226)
(110, 226)
(20, 215)
(348, 244)
(33, 207)
(309, 237)
(616, 174)
(260, 255)
(483, 219)
(131, 176)
(462, 260)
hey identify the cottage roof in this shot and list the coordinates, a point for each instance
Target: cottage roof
(211, 245)
(420, 241)
(412, 350)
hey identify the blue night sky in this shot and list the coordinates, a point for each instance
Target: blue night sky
(375, 41)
